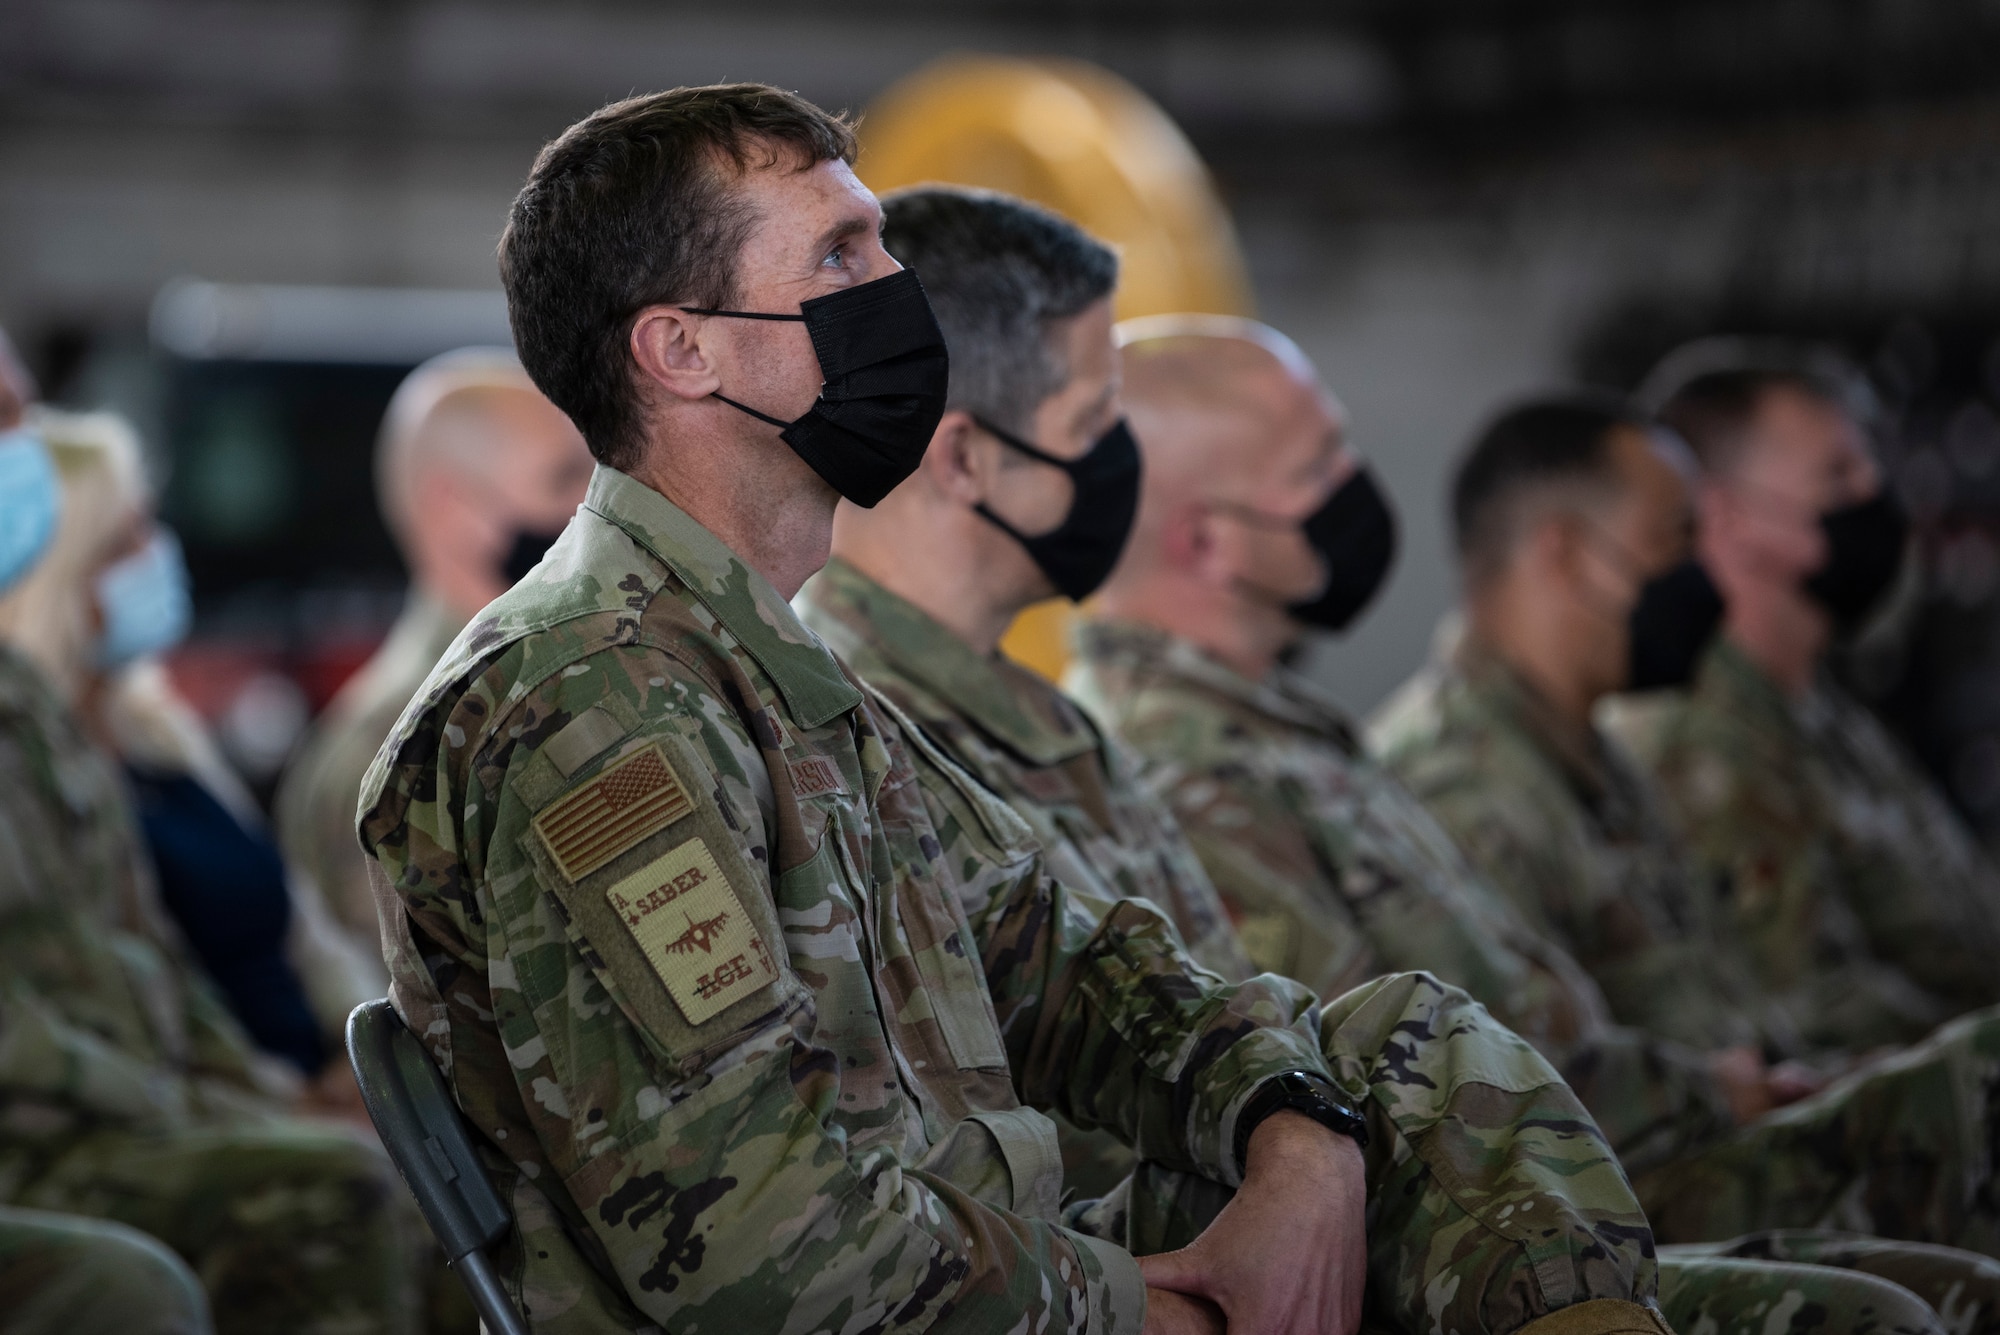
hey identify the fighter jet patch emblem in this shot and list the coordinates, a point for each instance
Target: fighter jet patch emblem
(687, 919)
(637, 797)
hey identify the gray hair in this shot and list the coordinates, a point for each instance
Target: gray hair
(999, 271)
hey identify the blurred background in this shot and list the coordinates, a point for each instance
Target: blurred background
(241, 222)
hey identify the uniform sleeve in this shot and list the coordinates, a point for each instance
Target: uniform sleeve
(67, 986)
(1106, 1018)
(698, 1145)
(1508, 840)
(1420, 911)
(46, 1058)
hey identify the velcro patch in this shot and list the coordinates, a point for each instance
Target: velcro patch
(637, 797)
(814, 775)
(694, 931)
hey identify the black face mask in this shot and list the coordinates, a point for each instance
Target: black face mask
(1864, 553)
(883, 358)
(1354, 533)
(1677, 614)
(525, 553)
(1077, 555)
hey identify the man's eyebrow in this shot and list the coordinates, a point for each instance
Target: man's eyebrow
(858, 224)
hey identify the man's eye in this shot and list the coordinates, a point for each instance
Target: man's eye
(835, 258)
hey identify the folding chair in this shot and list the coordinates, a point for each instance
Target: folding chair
(421, 1128)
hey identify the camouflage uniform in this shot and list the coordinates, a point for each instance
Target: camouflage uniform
(64, 1275)
(747, 985)
(1569, 829)
(1859, 895)
(1012, 730)
(315, 804)
(1100, 832)
(130, 1094)
(1337, 871)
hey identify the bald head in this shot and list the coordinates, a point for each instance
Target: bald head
(1221, 403)
(1242, 443)
(1226, 410)
(471, 456)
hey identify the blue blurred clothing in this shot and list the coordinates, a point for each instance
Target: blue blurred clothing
(225, 887)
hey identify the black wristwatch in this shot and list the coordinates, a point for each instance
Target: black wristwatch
(1299, 1092)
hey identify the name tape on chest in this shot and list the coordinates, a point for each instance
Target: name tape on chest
(815, 775)
(637, 797)
(694, 931)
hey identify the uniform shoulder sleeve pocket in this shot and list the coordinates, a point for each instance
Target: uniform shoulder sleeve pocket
(657, 889)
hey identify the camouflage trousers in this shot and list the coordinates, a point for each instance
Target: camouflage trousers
(1902, 1147)
(1720, 1295)
(1493, 1198)
(291, 1225)
(64, 1275)
(1962, 1288)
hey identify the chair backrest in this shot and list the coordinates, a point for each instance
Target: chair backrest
(425, 1135)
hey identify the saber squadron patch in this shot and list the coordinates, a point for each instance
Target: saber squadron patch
(637, 797)
(687, 919)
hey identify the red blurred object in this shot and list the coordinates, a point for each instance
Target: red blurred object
(210, 674)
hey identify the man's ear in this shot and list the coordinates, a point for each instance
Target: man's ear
(1191, 539)
(1552, 546)
(953, 462)
(666, 346)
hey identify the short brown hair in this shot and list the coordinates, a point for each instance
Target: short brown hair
(1713, 412)
(632, 207)
(1535, 449)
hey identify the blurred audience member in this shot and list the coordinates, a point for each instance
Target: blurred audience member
(66, 1273)
(1845, 866)
(108, 598)
(1575, 527)
(1259, 528)
(477, 474)
(130, 1093)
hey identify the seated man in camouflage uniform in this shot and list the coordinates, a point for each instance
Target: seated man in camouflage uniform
(1000, 272)
(1575, 528)
(1333, 870)
(476, 473)
(1860, 895)
(1024, 299)
(753, 993)
(129, 1092)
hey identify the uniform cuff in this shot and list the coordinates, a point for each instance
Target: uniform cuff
(1256, 1069)
(1600, 1316)
(1114, 1289)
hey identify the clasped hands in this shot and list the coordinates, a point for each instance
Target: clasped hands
(1287, 1256)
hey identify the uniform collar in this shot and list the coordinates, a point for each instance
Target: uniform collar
(1750, 693)
(1000, 698)
(802, 668)
(1286, 696)
(1579, 751)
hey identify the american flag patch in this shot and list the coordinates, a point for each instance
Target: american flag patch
(638, 796)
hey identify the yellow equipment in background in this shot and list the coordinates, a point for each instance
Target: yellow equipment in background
(1082, 141)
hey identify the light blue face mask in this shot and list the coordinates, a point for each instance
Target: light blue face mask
(145, 603)
(30, 504)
